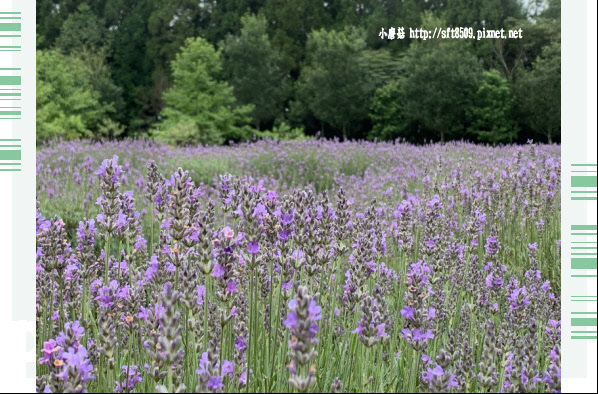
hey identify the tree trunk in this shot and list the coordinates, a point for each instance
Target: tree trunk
(442, 136)
(344, 133)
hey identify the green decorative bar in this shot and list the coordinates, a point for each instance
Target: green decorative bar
(581, 337)
(584, 181)
(10, 27)
(583, 264)
(584, 227)
(584, 322)
(10, 80)
(10, 112)
(10, 155)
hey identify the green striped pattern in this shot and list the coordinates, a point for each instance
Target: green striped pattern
(10, 94)
(585, 298)
(583, 182)
(10, 48)
(10, 27)
(583, 324)
(9, 112)
(10, 155)
(10, 91)
(584, 250)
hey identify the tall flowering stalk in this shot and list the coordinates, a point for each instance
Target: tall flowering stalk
(371, 325)
(302, 322)
(55, 253)
(438, 378)
(109, 219)
(419, 317)
(488, 377)
(164, 346)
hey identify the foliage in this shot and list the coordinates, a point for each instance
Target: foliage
(67, 104)
(82, 30)
(283, 132)
(251, 66)
(204, 105)
(380, 66)
(491, 112)
(110, 130)
(387, 113)
(85, 36)
(441, 81)
(482, 13)
(334, 85)
(270, 58)
(542, 109)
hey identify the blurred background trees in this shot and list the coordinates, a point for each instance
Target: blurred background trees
(192, 72)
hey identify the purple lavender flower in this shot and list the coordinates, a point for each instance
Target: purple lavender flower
(130, 378)
(253, 247)
(301, 321)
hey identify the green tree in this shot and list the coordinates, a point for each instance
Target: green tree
(491, 112)
(251, 66)
(380, 66)
(200, 108)
(82, 30)
(441, 80)
(131, 66)
(334, 85)
(85, 36)
(51, 15)
(489, 14)
(67, 104)
(539, 30)
(224, 17)
(539, 93)
(290, 22)
(387, 113)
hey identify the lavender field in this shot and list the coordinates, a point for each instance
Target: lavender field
(312, 266)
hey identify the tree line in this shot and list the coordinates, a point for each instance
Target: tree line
(210, 72)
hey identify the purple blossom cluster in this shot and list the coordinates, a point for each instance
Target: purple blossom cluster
(418, 315)
(67, 361)
(379, 267)
(302, 322)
